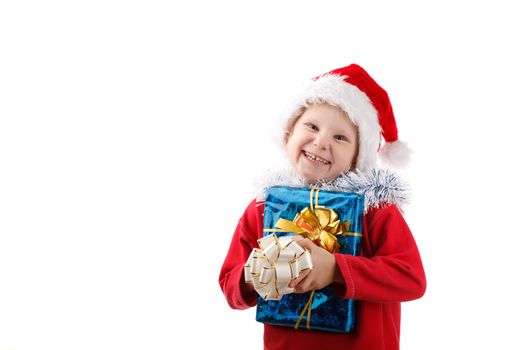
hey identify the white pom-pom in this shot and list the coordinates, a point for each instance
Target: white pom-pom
(395, 154)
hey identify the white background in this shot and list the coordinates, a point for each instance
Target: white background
(132, 133)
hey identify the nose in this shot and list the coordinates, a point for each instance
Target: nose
(321, 141)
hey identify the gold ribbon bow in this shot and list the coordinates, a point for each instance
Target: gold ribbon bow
(319, 224)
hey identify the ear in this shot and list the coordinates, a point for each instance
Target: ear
(353, 166)
(356, 155)
(286, 136)
(291, 124)
(354, 163)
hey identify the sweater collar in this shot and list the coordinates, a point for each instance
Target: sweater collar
(379, 186)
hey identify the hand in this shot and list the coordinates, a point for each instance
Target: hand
(325, 270)
(302, 274)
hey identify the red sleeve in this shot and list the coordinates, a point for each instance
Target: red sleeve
(393, 271)
(244, 239)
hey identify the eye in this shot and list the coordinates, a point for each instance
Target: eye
(312, 126)
(340, 138)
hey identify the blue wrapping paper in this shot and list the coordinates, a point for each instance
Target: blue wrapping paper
(329, 312)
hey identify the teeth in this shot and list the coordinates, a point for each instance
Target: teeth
(315, 158)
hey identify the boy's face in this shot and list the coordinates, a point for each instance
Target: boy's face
(323, 143)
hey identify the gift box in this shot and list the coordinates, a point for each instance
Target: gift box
(334, 221)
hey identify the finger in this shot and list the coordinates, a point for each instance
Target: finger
(306, 244)
(305, 285)
(297, 238)
(298, 280)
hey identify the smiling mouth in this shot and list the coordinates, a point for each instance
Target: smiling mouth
(315, 158)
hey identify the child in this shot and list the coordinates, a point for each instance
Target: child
(332, 139)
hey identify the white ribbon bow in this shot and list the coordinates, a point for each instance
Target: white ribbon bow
(274, 265)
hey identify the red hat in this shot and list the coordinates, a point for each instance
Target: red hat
(367, 104)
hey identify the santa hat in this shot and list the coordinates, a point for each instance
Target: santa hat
(368, 106)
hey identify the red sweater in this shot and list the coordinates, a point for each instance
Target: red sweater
(388, 272)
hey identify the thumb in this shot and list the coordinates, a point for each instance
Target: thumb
(307, 244)
(297, 238)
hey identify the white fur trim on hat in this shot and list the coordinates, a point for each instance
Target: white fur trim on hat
(396, 154)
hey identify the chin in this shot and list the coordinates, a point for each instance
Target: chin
(314, 179)
(309, 178)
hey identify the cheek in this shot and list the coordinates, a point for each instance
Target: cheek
(295, 143)
(290, 148)
(345, 157)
